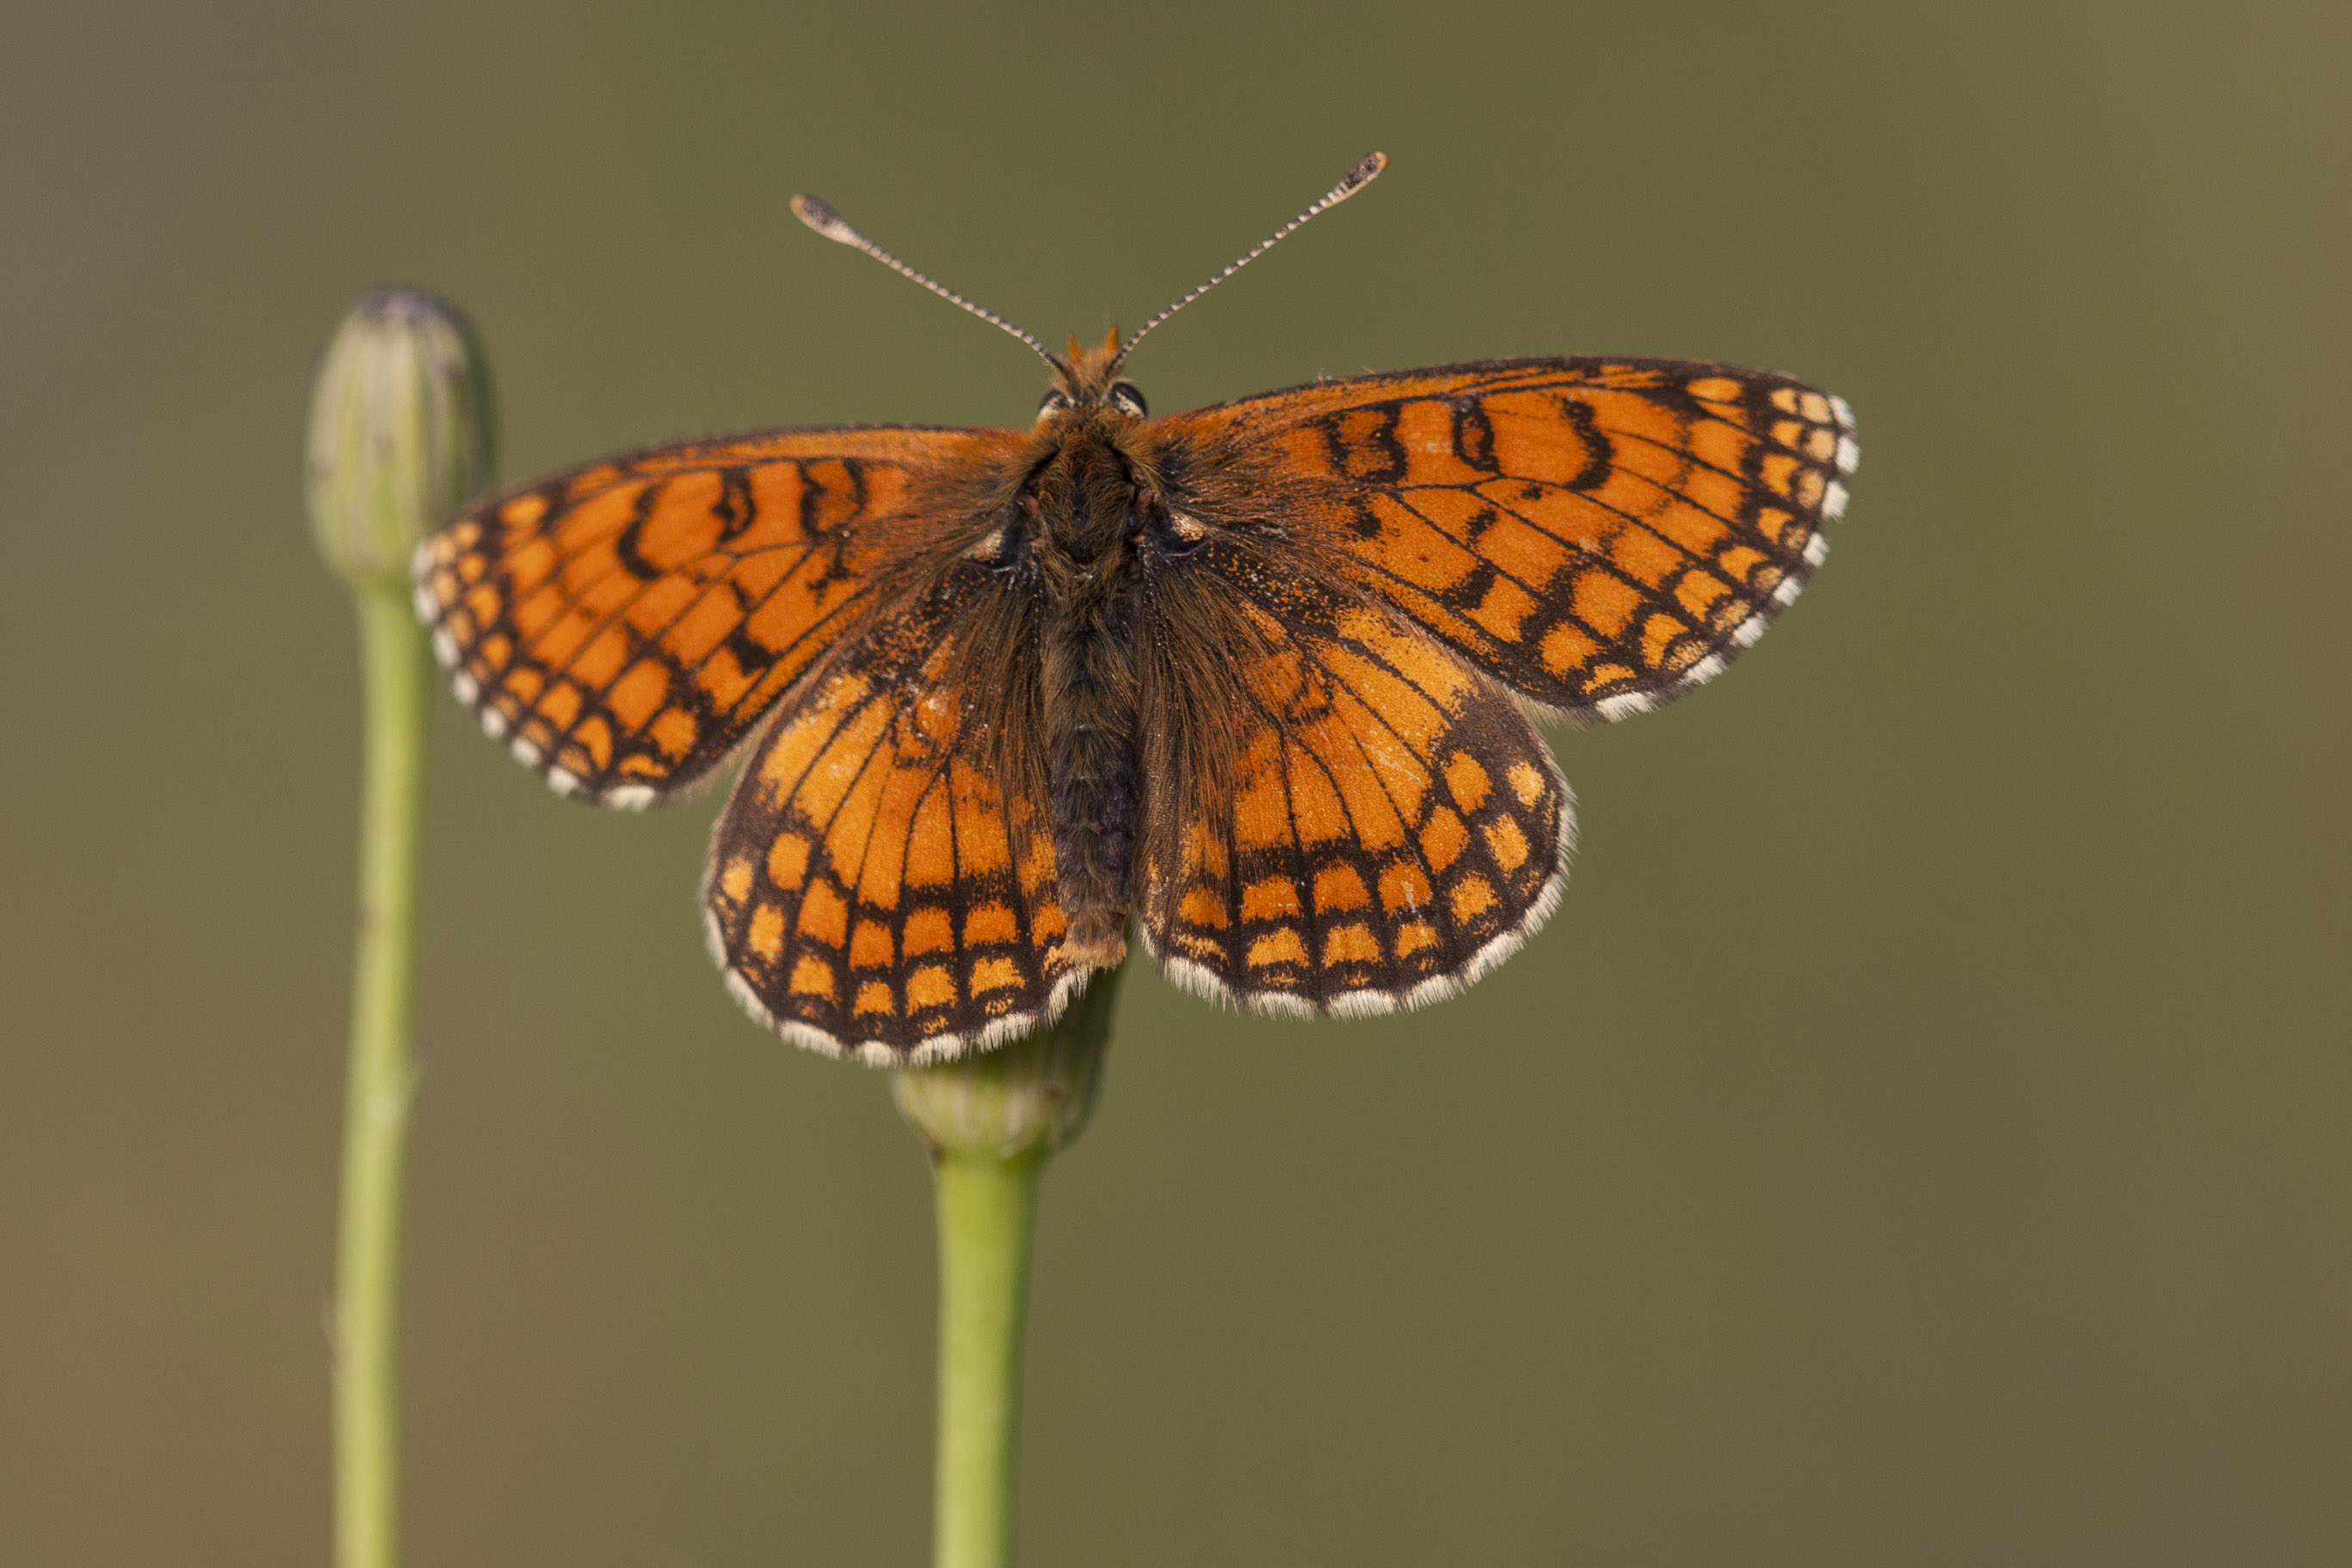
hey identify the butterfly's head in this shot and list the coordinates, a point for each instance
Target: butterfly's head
(1088, 379)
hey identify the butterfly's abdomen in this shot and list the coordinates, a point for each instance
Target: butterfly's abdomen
(1086, 503)
(1090, 722)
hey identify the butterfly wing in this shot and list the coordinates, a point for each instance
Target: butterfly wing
(882, 880)
(1375, 825)
(1597, 534)
(624, 624)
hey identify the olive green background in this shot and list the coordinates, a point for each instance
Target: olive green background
(1919, 1138)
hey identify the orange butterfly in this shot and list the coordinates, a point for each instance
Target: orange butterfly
(1257, 676)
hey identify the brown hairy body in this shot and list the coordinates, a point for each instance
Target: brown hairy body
(1084, 506)
(1101, 669)
(1107, 671)
(1083, 536)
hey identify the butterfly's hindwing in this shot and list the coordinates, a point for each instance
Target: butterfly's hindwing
(880, 883)
(1385, 828)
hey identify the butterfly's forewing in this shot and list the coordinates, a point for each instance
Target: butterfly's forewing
(1385, 825)
(624, 624)
(881, 882)
(1597, 534)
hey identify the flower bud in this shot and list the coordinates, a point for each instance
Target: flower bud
(1025, 1100)
(400, 432)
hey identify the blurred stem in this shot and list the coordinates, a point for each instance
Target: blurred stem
(991, 1121)
(396, 670)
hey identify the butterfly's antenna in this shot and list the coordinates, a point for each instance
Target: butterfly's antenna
(827, 221)
(1356, 179)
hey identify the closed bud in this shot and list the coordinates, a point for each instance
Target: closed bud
(1022, 1101)
(400, 432)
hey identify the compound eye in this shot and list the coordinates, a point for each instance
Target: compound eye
(1124, 396)
(1052, 403)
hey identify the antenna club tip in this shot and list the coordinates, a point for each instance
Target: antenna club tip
(1366, 171)
(824, 219)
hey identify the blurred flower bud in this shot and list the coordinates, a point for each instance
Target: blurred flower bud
(400, 432)
(1025, 1099)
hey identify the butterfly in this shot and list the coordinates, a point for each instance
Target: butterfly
(1257, 679)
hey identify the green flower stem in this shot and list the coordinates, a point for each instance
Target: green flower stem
(396, 670)
(400, 434)
(991, 1121)
(986, 1207)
